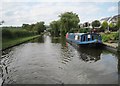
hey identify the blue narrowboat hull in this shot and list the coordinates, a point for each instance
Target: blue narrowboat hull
(88, 44)
(94, 42)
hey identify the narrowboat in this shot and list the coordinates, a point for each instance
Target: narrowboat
(84, 38)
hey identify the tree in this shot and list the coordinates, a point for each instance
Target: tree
(55, 25)
(25, 26)
(39, 27)
(96, 23)
(113, 27)
(68, 21)
(104, 26)
(118, 24)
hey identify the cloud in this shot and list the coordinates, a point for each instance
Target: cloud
(113, 9)
(60, 0)
(17, 13)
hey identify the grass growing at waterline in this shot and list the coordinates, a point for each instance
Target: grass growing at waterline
(15, 35)
(110, 37)
(11, 42)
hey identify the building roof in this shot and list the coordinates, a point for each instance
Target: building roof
(105, 19)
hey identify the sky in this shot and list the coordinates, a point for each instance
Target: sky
(18, 12)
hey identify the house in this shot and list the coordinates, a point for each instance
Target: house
(112, 19)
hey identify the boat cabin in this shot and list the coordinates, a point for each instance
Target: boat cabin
(84, 38)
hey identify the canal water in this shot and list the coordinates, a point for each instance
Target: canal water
(54, 61)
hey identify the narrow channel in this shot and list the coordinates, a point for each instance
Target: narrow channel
(54, 61)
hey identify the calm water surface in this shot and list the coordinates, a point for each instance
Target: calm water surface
(53, 61)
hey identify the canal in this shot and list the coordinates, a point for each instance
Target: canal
(53, 61)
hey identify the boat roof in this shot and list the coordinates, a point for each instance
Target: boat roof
(81, 33)
(76, 33)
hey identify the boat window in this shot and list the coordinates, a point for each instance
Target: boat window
(79, 38)
(76, 37)
(89, 36)
(83, 38)
(92, 37)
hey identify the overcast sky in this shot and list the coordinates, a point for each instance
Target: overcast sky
(17, 12)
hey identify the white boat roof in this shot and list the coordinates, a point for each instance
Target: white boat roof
(77, 33)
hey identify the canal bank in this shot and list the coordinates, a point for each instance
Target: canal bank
(110, 46)
(11, 43)
(48, 61)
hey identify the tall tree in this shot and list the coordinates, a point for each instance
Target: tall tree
(104, 26)
(96, 23)
(113, 27)
(68, 21)
(25, 26)
(118, 24)
(39, 27)
(55, 25)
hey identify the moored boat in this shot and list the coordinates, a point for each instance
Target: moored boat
(84, 38)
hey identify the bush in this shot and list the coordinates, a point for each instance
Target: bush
(105, 38)
(110, 37)
(116, 36)
(16, 33)
(84, 30)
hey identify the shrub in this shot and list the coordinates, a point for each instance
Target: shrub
(16, 33)
(84, 30)
(113, 37)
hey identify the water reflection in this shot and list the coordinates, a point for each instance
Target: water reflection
(90, 54)
(53, 61)
(38, 40)
(55, 39)
(87, 54)
(63, 41)
(119, 64)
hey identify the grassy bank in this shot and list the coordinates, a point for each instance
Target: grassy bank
(10, 33)
(110, 37)
(12, 36)
(6, 43)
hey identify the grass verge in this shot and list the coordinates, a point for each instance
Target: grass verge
(7, 43)
(111, 37)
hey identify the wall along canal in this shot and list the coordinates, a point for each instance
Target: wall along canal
(53, 61)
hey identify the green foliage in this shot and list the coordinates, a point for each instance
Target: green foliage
(11, 42)
(55, 28)
(118, 23)
(68, 21)
(116, 36)
(113, 27)
(104, 26)
(39, 27)
(84, 30)
(96, 23)
(28, 27)
(15, 33)
(113, 37)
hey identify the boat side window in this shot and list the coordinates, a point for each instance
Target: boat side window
(76, 37)
(84, 37)
(92, 37)
(79, 38)
(89, 36)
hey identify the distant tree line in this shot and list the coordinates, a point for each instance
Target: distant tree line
(39, 27)
(105, 25)
(24, 31)
(69, 22)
